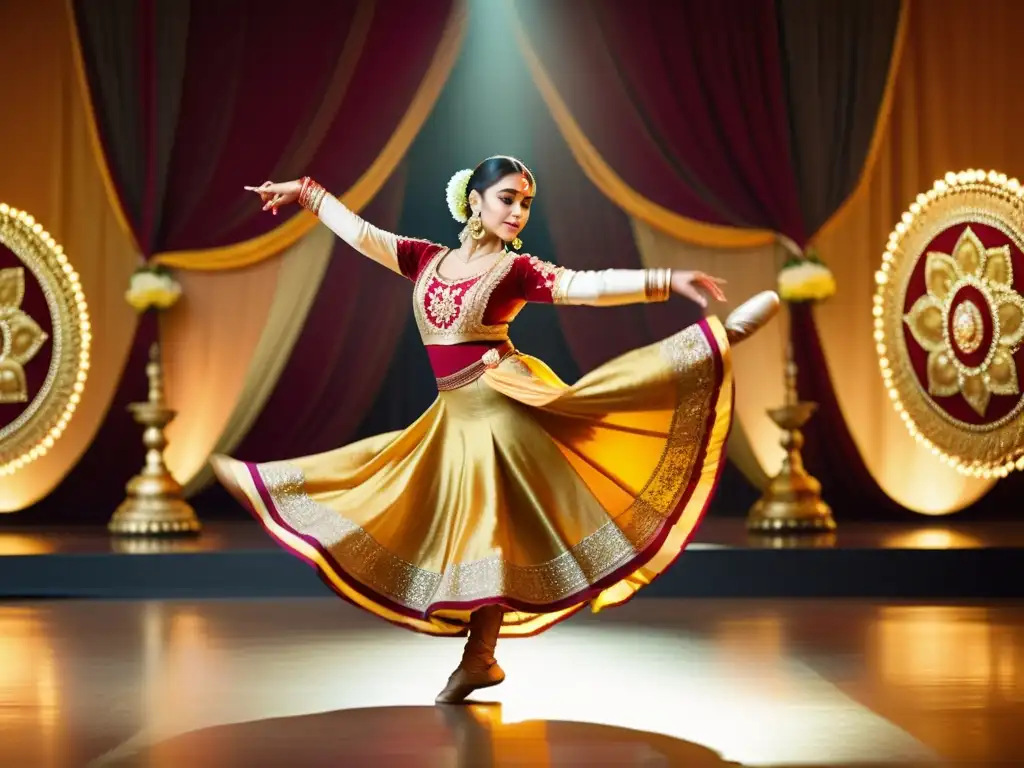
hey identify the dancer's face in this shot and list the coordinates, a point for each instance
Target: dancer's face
(505, 206)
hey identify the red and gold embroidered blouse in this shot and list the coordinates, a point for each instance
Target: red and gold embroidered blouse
(461, 319)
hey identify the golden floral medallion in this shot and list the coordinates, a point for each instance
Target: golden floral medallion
(45, 338)
(20, 336)
(970, 321)
(949, 321)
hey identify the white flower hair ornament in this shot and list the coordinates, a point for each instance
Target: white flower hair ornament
(456, 195)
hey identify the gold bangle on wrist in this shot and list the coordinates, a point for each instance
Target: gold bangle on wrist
(657, 284)
(316, 197)
(311, 195)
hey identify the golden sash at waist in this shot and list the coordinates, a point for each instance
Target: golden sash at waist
(490, 359)
(493, 333)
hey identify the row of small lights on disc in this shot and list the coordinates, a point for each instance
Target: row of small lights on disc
(27, 222)
(940, 189)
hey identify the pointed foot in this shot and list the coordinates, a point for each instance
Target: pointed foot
(752, 315)
(464, 681)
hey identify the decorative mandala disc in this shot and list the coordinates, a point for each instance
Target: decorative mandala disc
(44, 340)
(949, 321)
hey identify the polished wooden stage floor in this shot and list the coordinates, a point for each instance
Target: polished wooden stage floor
(927, 560)
(694, 682)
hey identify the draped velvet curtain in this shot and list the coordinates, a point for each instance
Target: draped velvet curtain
(679, 133)
(194, 99)
(237, 328)
(47, 169)
(837, 59)
(186, 107)
(674, 109)
(589, 232)
(757, 121)
(683, 115)
(342, 354)
(952, 108)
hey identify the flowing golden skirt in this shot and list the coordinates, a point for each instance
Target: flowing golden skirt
(515, 489)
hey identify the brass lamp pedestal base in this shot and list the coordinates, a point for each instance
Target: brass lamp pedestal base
(792, 501)
(154, 506)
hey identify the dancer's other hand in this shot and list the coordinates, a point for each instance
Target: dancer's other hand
(687, 283)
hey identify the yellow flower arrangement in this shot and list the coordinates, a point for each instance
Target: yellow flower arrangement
(152, 287)
(806, 279)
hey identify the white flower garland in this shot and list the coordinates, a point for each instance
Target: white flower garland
(456, 195)
(152, 287)
(806, 279)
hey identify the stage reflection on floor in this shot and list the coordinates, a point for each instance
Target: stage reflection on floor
(656, 682)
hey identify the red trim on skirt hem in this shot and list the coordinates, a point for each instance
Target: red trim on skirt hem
(578, 599)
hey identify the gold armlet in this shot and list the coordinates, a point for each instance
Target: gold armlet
(560, 291)
(311, 195)
(657, 284)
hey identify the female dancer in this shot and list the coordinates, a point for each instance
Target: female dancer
(515, 500)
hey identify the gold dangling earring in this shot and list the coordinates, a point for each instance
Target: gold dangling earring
(517, 244)
(476, 226)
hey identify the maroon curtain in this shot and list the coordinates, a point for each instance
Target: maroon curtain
(835, 59)
(759, 119)
(590, 232)
(835, 62)
(830, 452)
(341, 357)
(194, 99)
(683, 100)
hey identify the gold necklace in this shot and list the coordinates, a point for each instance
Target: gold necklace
(466, 260)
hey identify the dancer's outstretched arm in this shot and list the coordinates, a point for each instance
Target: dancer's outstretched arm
(399, 254)
(544, 282)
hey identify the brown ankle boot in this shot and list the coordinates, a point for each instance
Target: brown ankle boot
(478, 668)
(751, 315)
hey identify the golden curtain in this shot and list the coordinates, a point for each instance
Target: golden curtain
(297, 275)
(49, 170)
(955, 106)
(754, 443)
(206, 342)
(224, 345)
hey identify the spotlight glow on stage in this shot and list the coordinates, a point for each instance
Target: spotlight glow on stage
(757, 708)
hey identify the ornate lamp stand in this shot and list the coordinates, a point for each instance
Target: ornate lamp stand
(154, 505)
(792, 501)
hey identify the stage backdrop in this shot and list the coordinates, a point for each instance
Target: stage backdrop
(807, 124)
(742, 138)
(953, 108)
(48, 169)
(180, 109)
